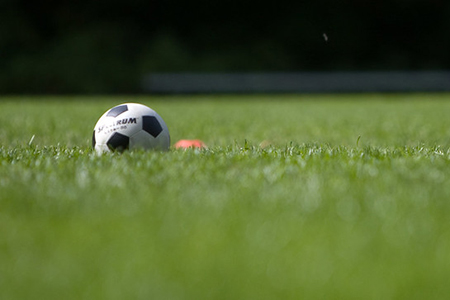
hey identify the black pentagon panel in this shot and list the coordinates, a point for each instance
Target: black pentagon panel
(93, 140)
(118, 142)
(115, 111)
(151, 125)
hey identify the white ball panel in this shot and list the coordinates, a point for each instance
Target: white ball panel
(101, 148)
(130, 123)
(127, 123)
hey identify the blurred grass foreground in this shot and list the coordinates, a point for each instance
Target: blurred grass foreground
(344, 199)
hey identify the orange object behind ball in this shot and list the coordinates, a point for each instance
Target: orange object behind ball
(189, 144)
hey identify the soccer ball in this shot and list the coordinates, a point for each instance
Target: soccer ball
(130, 126)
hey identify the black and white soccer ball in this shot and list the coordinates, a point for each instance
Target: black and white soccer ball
(130, 126)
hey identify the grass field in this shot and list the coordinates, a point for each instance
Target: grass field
(349, 198)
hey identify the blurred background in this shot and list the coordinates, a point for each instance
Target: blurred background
(107, 47)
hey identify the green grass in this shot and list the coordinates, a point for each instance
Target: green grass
(348, 199)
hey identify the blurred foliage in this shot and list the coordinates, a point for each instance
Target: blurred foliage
(106, 46)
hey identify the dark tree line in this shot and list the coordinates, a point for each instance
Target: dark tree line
(67, 46)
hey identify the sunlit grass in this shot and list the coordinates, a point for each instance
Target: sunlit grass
(346, 198)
